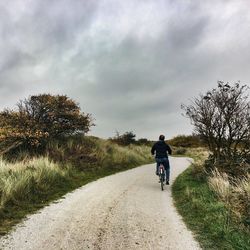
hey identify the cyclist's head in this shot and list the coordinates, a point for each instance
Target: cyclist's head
(161, 137)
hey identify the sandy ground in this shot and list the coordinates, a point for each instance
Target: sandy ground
(123, 211)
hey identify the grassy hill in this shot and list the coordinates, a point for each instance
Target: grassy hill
(30, 180)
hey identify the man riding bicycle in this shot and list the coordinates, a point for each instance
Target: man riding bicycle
(161, 151)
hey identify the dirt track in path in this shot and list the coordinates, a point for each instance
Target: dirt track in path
(123, 211)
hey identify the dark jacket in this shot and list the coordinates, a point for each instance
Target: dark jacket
(162, 149)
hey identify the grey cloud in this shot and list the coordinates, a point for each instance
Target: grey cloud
(185, 35)
(59, 23)
(42, 34)
(136, 69)
(130, 77)
(15, 59)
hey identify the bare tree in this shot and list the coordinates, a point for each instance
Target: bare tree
(222, 118)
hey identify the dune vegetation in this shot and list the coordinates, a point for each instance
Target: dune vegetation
(213, 195)
(21, 180)
(29, 180)
(46, 153)
(210, 218)
(234, 193)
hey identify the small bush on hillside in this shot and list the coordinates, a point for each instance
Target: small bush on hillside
(180, 151)
(186, 141)
(124, 139)
(144, 141)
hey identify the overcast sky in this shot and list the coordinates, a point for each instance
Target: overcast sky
(129, 63)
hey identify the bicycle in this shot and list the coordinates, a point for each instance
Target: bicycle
(162, 175)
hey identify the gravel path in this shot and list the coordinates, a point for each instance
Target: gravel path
(123, 211)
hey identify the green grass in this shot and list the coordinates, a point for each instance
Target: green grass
(29, 184)
(206, 216)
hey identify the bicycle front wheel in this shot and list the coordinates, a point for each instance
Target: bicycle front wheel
(162, 183)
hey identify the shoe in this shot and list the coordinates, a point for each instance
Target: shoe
(167, 182)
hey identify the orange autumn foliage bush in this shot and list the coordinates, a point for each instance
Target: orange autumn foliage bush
(42, 117)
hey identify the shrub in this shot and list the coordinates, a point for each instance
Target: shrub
(124, 139)
(42, 117)
(222, 118)
(237, 167)
(144, 141)
(186, 141)
(180, 151)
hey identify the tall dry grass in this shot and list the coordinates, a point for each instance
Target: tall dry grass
(19, 181)
(199, 155)
(68, 159)
(235, 193)
(31, 179)
(90, 153)
(112, 155)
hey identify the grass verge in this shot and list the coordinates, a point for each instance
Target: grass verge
(205, 215)
(29, 184)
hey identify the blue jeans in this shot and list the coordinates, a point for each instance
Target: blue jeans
(165, 163)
